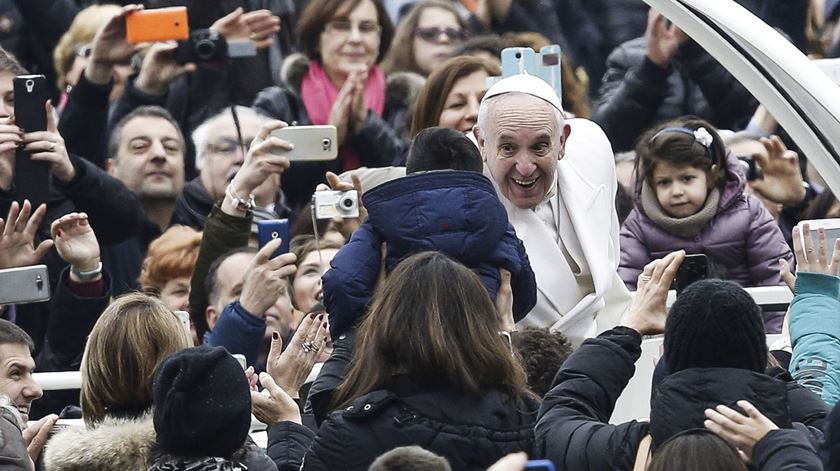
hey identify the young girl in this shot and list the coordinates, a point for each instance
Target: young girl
(690, 195)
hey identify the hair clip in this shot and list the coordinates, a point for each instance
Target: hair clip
(702, 136)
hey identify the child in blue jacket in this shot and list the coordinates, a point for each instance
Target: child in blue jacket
(444, 203)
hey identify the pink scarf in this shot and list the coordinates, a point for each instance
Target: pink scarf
(319, 94)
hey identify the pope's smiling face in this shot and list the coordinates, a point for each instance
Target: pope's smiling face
(521, 144)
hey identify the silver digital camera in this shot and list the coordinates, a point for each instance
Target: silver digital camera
(329, 204)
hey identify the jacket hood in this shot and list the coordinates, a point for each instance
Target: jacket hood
(733, 188)
(401, 87)
(114, 444)
(456, 212)
(683, 396)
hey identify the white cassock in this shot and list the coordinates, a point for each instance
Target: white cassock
(572, 241)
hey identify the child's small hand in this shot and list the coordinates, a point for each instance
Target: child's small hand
(788, 277)
(504, 301)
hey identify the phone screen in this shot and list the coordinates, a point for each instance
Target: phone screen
(539, 465)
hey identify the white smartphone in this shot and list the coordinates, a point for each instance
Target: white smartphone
(24, 285)
(312, 143)
(832, 233)
(184, 319)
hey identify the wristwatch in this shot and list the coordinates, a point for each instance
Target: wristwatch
(241, 204)
(87, 276)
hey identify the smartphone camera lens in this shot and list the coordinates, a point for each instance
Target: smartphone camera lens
(30, 84)
(326, 144)
(518, 55)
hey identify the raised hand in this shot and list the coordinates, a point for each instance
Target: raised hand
(648, 311)
(810, 260)
(160, 69)
(17, 236)
(273, 404)
(75, 242)
(262, 160)
(290, 368)
(265, 278)
(782, 181)
(109, 47)
(259, 26)
(663, 41)
(346, 226)
(743, 431)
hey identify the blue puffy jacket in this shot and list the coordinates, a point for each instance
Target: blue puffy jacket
(815, 334)
(454, 212)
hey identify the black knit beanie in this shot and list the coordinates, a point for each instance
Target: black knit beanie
(715, 323)
(202, 403)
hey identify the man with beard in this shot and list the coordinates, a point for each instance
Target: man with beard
(146, 151)
(220, 146)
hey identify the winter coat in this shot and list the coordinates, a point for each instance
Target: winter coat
(115, 444)
(786, 450)
(194, 205)
(125, 260)
(13, 453)
(249, 457)
(742, 237)
(472, 433)
(377, 144)
(636, 93)
(815, 334)
(222, 232)
(238, 331)
(572, 428)
(454, 212)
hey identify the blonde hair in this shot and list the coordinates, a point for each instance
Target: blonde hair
(128, 342)
(170, 256)
(81, 32)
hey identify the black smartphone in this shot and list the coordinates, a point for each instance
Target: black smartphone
(751, 169)
(32, 179)
(695, 267)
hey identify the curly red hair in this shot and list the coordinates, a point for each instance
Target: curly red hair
(172, 255)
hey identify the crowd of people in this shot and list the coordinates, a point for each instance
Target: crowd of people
(513, 247)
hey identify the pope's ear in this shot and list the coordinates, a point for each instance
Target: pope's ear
(564, 139)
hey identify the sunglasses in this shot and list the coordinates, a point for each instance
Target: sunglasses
(432, 34)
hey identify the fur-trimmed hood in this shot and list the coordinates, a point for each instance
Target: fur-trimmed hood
(116, 444)
(401, 89)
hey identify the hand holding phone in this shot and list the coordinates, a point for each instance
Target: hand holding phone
(262, 160)
(110, 47)
(274, 229)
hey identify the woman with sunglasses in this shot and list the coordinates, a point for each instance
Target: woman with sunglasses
(425, 38)
(339, 83)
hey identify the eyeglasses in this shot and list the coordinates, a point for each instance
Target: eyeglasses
(344, 27)
(225, 146)
(432, 34)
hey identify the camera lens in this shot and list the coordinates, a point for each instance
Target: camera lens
(347, 202)
(205, 49)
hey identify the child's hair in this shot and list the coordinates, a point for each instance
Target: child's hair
(442, 149)
(541, 352)
(683, 141)
(410, 458)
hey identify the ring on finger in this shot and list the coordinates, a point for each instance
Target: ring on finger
(644, 277)
(52, 146)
